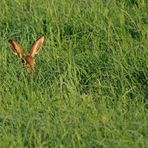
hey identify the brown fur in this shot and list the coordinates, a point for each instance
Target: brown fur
(28, 59)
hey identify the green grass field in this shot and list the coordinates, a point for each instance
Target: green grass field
(90, 88)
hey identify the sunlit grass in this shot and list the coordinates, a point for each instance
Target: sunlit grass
(90, 87)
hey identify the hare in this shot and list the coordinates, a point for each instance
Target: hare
(28, 60)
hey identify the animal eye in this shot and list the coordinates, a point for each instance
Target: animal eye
(23, 61)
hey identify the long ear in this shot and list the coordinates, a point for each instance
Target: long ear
(16, 48)
(37, 46)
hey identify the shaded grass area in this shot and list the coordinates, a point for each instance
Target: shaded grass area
(90, 87)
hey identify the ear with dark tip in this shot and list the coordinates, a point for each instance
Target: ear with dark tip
(16, 48)
(37, 46)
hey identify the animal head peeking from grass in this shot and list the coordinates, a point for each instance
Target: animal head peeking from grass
(27, 59)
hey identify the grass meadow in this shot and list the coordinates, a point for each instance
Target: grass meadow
(90, 88)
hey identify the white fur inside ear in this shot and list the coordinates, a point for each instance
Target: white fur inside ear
(12, 49)
(16, 48)
(36, 46)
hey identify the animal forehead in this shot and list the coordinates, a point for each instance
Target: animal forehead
(29, 59)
